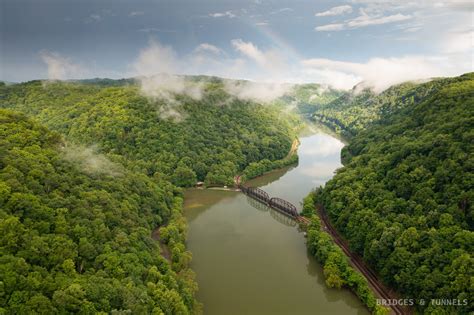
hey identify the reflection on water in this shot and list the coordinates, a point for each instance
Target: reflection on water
(319, 157)
(280, 217)
(250, 259)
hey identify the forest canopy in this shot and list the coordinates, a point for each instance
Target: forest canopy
(181, 140)
(75, 241)
(404, 198)
(94, 169)
(359, 108)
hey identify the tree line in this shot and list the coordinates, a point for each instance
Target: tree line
(403, 199)
(89, 169)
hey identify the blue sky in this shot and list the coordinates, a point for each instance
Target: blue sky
(334, 42)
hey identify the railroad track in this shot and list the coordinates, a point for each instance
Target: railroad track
(358, 263)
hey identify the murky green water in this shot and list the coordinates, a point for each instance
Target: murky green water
(252, 260)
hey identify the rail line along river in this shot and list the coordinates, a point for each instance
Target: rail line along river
(250, 259)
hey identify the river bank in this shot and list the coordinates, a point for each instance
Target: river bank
(249, 259)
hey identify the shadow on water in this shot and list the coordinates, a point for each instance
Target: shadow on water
(196, 200)
(270, 177)
(315, 270)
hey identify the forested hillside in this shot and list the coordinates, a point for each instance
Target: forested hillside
(357, 109)
(179, 139)
(306, 98)
(78, 204)
(404, 198)
(78, 240)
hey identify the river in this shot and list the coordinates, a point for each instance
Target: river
(250, 259)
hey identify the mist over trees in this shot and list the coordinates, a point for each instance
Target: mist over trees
(78, 204)
(219, 132)
(72, 241)
(357, 109)
(88, 169)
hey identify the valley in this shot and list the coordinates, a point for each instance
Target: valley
(252, 259)
(97, 166)
(237, 157)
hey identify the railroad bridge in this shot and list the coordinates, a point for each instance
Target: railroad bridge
(278, 204)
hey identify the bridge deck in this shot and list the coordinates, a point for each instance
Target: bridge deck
(281, 205)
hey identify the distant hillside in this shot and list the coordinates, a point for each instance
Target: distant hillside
(307, 98)
(105, 82)
(3, 83)
(404, 199)
(175, 136)
(357, 109)
(94, 168)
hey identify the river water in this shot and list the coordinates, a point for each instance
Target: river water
(252, 260)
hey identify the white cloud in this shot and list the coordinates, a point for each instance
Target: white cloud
(330, 27)
(363, 20)
(343, 9)
(282, 10)
(272, 70)
(156, 30)
(458, 42)
(136, 13)
(164, 86)
(157, 67)
(265, 23)
(206, 47)
(249, 50)
(381, 73)
(91, 162)
(408, 26)
(61, 68)
(336, 79)
(257, 91)
(228, 14)
(156, 59)
(412, 29)
(419, 4)
(467, 5)
(271, 62)
(366, 20)
(93, 18)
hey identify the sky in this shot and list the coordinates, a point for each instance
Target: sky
(340, 43)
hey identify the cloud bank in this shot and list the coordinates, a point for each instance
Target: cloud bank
(269, 69)
(380, 73)
(270, 72)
